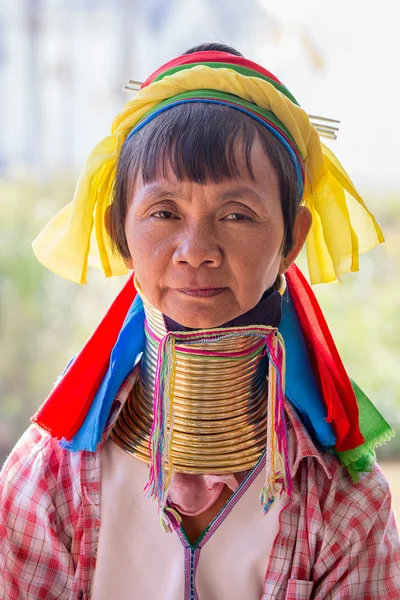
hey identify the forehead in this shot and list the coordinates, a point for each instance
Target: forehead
(260, 185)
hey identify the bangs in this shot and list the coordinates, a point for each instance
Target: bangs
(198, 142)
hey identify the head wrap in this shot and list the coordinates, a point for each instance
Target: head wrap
(342, 225)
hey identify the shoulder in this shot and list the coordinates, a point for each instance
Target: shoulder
(35, 447)
(42, 483)
(35, 459)
(48, 511)
(357, 509)
(369, 493)
(352, 521)
(354, 531)
(337, 495)
(325, 492)
(320, 474)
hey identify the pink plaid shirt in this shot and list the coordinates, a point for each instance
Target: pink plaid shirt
(337, 540)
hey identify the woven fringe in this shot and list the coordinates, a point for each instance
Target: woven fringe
(277, 476)
(160, 443)
(363, 458)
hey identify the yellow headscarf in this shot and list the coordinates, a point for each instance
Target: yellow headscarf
(342, 225)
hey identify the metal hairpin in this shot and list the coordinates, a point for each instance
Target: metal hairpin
(325, 126)
(132, 86)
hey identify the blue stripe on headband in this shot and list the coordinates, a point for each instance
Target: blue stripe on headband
(279, 136)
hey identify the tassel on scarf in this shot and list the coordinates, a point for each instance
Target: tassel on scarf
(160, 443)
(277, 479)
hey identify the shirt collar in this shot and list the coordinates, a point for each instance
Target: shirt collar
(304, 446)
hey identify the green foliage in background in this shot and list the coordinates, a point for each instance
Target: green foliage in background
(44, 320)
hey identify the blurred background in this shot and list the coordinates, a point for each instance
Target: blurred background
(62, 66)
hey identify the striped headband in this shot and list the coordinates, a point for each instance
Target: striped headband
(342, 226)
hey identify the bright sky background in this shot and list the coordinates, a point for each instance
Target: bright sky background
(358, 45)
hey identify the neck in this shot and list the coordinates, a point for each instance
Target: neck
(200, 404)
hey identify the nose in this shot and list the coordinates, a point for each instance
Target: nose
(197, 247)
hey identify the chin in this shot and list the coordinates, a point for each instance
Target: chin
(200, 319)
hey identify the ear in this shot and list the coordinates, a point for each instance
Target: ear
(108, 225)
(301, 228)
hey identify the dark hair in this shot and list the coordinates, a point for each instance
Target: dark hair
(199, 141)
(213, 47)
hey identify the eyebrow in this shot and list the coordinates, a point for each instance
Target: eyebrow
(242, 193)
(157, 191)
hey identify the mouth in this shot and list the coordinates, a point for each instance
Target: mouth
(202, 292)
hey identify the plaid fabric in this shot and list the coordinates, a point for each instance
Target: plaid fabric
(337, 540)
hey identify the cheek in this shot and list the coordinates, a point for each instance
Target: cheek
(151, 254)
(142, 241)
(257, 257)
(255, 267)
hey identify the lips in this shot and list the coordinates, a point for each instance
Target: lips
(202, 292)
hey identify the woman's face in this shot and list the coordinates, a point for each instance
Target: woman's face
(205, 254)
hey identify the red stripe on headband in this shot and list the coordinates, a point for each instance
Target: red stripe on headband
(207, 56)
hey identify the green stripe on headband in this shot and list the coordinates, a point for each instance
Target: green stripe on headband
(239, 69)
(229, 98)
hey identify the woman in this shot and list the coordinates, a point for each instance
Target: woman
(219, 382)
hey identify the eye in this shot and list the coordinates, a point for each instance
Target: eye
(237, 217)
(164, 214)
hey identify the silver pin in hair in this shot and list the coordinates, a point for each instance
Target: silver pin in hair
(325, 119)
(324, 127)
(325, 134)
(132, 86)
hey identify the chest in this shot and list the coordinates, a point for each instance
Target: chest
(194, 526)
(229, 560)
